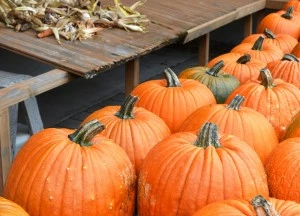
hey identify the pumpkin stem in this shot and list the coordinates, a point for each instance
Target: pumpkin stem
(172, 79)
(290, 57)
(269, 34)
(208, 136)
(85, 133)
(288, 13)
(266, 77)
(244, 59)
(236, 102)
(258, 43)
(215, 69)
(126, 110)
(262, 207)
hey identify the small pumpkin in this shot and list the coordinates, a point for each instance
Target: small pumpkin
(293, 128)
(189, 170)
(60, 171)
(259, 206)
(218, 81)
(9, 208)
(173, 99)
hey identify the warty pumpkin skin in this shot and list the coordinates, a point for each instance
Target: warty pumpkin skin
(233, 118)
(293, 128)
(240, 207)
(172, 99)
(187, 171)
(9, 208)
(283, 170)
(135, 129)
(62, 172)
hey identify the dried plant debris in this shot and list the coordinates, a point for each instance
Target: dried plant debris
(70, 19)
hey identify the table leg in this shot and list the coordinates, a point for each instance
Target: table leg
(204, 49)
(248, 25)
(132, 75)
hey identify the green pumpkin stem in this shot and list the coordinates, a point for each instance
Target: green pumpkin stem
(262, 207)
(269, 34)
(85, 133)
(288, 13)
(215, 69)
(126, 110)
(290, 57)
(208, 136)
(267, 79)
(172, 79)
(244, 59)
(236, 102)
(258, 43)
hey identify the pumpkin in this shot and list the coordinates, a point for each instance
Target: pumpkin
(9, 208)
(188, 170)
(232, 118)
(259, 50)
(284, 41)
(276, 99)
(292, 3)
(242, 66)
(287, 69)
(135, 129)
(296, 50)
(258, 206)
(218, 81)
(281, 22)
(293, 128)
(60, 171)
(173, 99)
(283, 170)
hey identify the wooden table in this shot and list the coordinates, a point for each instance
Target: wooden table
(172, 21)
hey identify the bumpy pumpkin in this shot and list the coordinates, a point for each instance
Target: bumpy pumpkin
(283, 170)
(243, 67)
(243, 122)
(9, 208)
(259, 206)
(187, 171)
(173, 99)
(259, 50)
(218, 81)
(293, 128)
(66, 172)
(135, 129)
(276, 99)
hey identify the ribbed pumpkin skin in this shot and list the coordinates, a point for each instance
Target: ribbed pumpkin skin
(294, 3)
(278, 104)
(245, 123)
(282, 169)
(243, 208)
(52, 175)
(296, 50)
(293, 128)
(173, 104)
(178, 178)
(9, 208)
(137, 135)
(243, 72)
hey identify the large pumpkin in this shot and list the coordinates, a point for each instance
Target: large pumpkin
(173, 99)
(293, 128)
(9, 208)
(259, 206)
(283, 170)
(218, 81)
(187, 171)
(66, 172)
(276, 99)
(135, 129)
(243, 122)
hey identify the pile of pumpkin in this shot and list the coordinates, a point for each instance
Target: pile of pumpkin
(220, 139)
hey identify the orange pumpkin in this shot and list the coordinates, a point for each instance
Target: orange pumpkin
(276, 99)
(283, 170)
(232, 118)
(258, 206)
(243, 67)
(292, 3)
(284, 41)
(296, 50)
(66, 172)
(259, 50)
(9, 208)
(187, 171)
(293, 128)
(173, 99)
(135, 129)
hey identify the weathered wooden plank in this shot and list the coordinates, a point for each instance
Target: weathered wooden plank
(275, 4)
